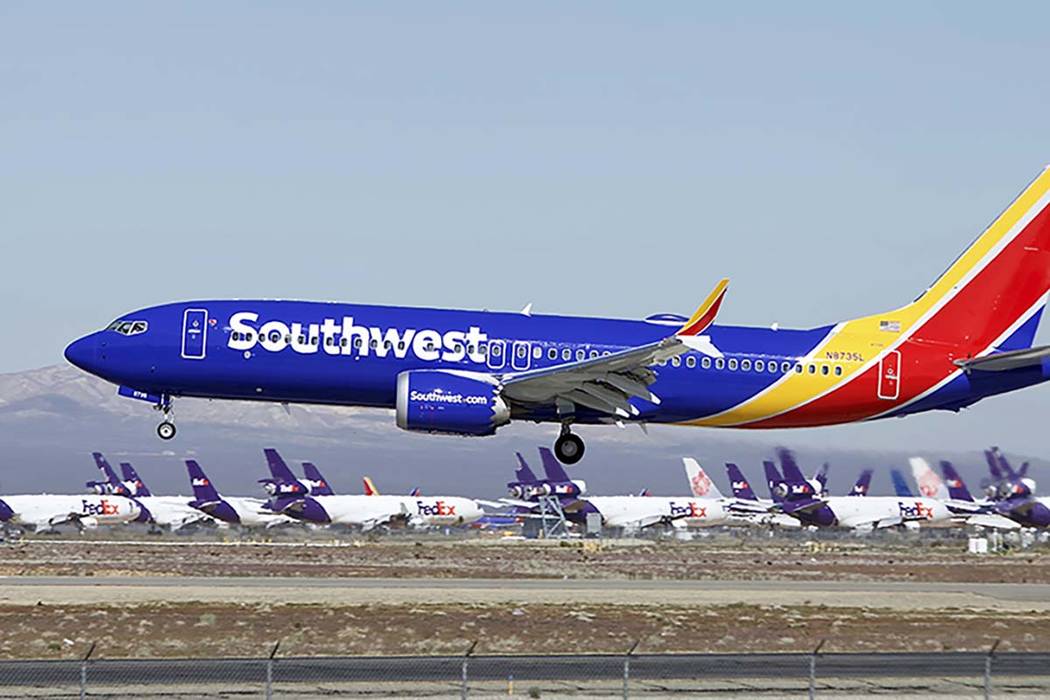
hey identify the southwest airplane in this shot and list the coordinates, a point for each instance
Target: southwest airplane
(967, 337)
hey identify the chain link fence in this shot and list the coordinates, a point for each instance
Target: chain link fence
(814, 674)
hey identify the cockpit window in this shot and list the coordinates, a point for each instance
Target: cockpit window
(128, 327)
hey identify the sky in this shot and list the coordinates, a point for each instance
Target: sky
(596, 158)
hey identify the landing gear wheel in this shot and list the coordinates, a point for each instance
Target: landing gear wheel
(568, 448)
(166, 430)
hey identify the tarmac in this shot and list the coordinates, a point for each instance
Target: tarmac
(896, 595)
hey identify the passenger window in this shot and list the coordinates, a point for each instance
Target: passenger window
(760, 366)
(676, 361)
(773, 367)
(732, 364)
(824, 369)
(329, 341)
(690, 362)
(785, 367)
(705, 362)
(720, 363)
(594, 354)
(373, 343)
(566, 354)
(745, 365)
(342, 342)
(606, 353)
(537, 352)
(521, 351)
(497, 350)
(580, 354)
(812, 369)
(401, 346)
(552, 354)
(838, 370)
(358, 343)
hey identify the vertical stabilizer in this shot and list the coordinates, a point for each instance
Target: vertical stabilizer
(700, 484)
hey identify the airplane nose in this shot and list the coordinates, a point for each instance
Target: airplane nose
(82, 352)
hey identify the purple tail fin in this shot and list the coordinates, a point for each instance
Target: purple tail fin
(773, 479)
(524, 473)
(552, 467)
(110, 481)
(863, 484)
(131, 475)
(792, 473)
(993, 465)
(956, 488)
(278, 469)
(203, 490)
(737, 482)
(821, 477)
(320, 486)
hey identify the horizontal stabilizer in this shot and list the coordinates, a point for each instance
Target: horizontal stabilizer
(1004, 361)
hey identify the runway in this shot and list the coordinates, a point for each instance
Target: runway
(27, 590)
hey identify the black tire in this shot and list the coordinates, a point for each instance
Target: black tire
(569, 448)
(166, 430)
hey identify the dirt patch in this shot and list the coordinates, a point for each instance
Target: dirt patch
(170, 630)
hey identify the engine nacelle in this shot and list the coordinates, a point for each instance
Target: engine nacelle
(448, 401)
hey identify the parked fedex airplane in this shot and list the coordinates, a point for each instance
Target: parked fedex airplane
(966, 337)
(291, 497)
(628, 512)
(172, 512)
(47, 511)
(235, 510)
(749, 508)
(1014, 498)
(798, 497)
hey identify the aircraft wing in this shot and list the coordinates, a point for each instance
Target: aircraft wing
(994, 521)
(1003, 361)
(791, 507)
(606, 383)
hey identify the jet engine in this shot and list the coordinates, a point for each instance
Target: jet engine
(451, 402)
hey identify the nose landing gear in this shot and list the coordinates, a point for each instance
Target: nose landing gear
(569, 447)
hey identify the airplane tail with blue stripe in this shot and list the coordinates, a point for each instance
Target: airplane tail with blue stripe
(900, 484)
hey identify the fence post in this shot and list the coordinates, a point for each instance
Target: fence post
(269, 670)
(83, 670)
(988, 669)
(813, 669)
(463, 690)
(627, 668)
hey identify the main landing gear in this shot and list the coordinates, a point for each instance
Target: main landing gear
(569, 447)
(166, 430)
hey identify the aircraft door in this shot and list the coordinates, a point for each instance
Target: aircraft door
(497, 354)
(890, 375)
(194, 333)
(521, 355)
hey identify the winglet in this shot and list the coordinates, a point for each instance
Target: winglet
(705, 314)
